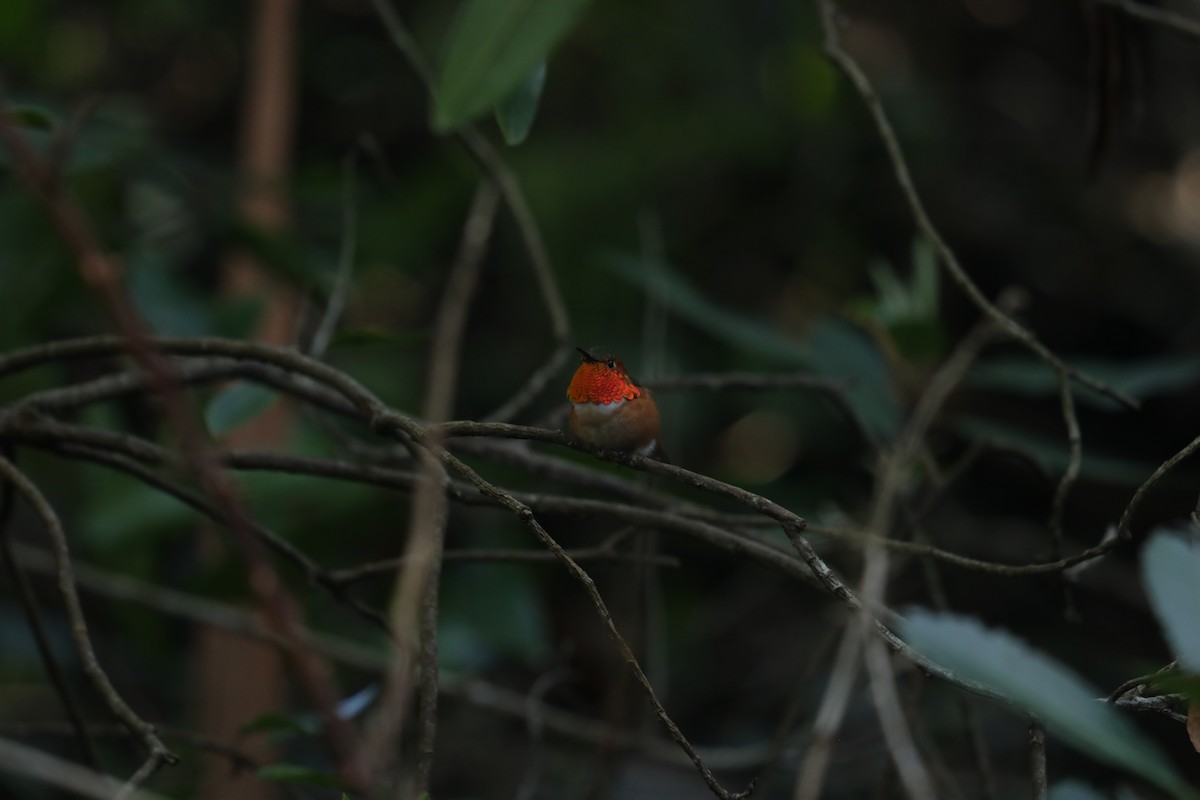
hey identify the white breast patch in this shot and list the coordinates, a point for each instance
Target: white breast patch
(597, 410)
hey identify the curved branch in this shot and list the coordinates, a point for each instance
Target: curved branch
(831, 41)
(117, 451)
(37, 626)
(79, 632)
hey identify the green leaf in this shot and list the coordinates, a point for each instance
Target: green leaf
(235, 405)
(512, 623)
(516, 112)
(1074, 790)
(282, 725)
(32, 117)
(493, 45)
(1034, 682)
(895, 300)
(296, 773)
(1032, 377)
(1171, 574)
(833, 347)
(678, 294)
(1052, 454)
(162, 296)
(925, 276)
(841, 350)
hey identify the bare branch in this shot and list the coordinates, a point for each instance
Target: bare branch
(116, 451)
(1075, 442)
(102, 275)
(198, 609)
(1037, 760)
(532, 387)
(603, 553)
(525, 514)
(40, 766)
(33, 614)
(336, 302)
(237, 758)
(1123, 529)
(414, 602)
(831, 41)
(810, 780)
(78, 627)
(493, 165)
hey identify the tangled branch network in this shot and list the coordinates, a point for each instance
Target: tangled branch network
(428, 457)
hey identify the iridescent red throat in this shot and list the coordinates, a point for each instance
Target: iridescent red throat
(601, 380)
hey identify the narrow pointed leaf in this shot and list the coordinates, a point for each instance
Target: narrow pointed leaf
(1171, 575)
(1074, 790)
(516, 113)
(832, 347)
(298, 773)
(493, 45)
(1033, 681)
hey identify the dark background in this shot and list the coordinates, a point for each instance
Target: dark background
(1056, 146)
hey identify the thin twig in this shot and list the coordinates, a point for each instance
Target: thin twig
(810, 779)
(101, 274)
(33, 615)
(414, 603)
(1075, 443)
(1166, 704)
(495, 556)
(679, 519)
(1123, 527)
(368, 408)
(133, 786)
(1141, 680)
(911, 769)
(517, 705)
(532, 387)
(525, 514)
(197, 609)
(238, 759)
(893, 467)
(78, 627)
(479, 693)
(1037, 760)
(336, 303)
(831, 41)
(110, 387)
(493, 165)
(116, 451)
(384, 420)
(43, 767)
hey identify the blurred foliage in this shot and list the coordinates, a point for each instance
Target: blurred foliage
(695, 165)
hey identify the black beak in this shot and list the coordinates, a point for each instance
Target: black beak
(588, 358)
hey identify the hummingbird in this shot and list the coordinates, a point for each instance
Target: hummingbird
(610, 410)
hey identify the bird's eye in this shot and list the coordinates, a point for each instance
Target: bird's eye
(612, 363)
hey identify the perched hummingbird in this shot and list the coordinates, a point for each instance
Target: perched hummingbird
(610, 411)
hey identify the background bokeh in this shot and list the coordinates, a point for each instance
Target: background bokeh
(714, 197)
